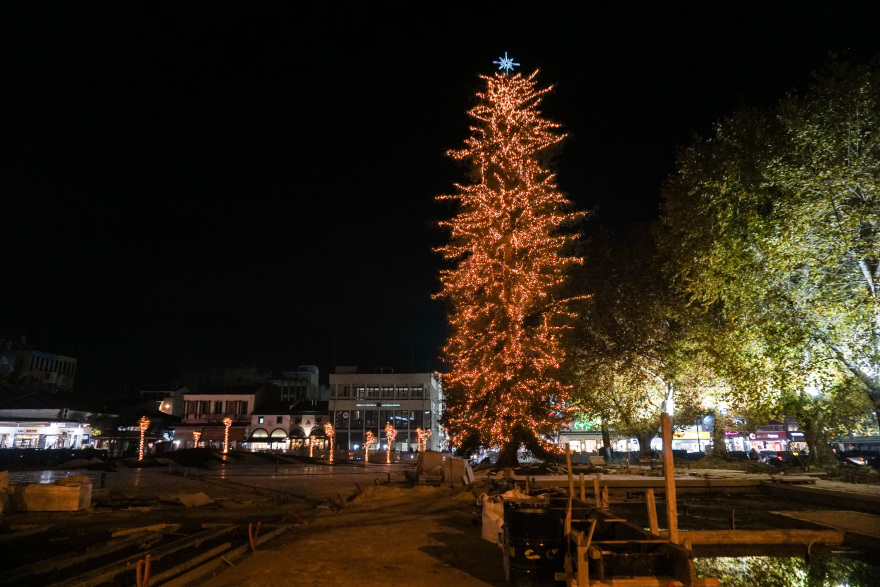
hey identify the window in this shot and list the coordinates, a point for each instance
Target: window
(359, 391)
(278, 419)
(372, 392)
(260, 420)
(418, 391)
(346, 392)
(388, 391)
(218, 407)
(403, 392)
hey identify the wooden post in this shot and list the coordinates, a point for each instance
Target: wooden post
(570, 476)
(581, 479)
(597, 493)
(652, 511)
(669, 474)
(606, 502)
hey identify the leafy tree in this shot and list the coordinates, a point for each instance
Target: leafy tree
(632, 353)
(505, 315)
(775, 220)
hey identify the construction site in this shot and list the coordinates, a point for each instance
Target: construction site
(249, 519)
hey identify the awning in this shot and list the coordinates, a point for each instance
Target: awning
(209, 433)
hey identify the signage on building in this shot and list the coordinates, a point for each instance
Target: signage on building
(767, 435)
(690, 435)
(377, 405)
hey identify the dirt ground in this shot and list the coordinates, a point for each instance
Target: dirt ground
(425, 536)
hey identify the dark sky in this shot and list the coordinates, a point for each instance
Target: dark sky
(252, 184)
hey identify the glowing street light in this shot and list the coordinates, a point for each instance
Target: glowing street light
(144, 423)
(328, 430)
(390, 434)
(227, 421)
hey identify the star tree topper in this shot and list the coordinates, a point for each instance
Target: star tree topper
(506, 63)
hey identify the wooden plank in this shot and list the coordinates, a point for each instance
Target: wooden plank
(652, 511)
(669, 477)
(698, 537)
(74, 558)
(209, 568)
(108, 572)
(190, 564)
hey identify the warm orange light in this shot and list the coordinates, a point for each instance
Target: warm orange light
(423, 436)
(370, 439)
(390, 435)
(328, 430)
(505, 314)
(144, 423)
(196, 435)
(227, 422)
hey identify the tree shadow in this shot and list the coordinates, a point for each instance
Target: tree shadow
(470, 554)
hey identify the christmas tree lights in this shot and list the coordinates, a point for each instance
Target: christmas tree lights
(227, 422)
(328, 430)
(370, 439)
(505, 241)
(196, 435)
(144, 423)
(390, 435)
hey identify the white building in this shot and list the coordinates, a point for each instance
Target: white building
(361, 402)
(204, 412)
(43, 422)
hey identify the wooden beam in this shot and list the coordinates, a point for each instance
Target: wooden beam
(698, 537)
(652, 511)
(669, 475)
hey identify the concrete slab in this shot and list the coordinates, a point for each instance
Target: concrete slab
(52, 498)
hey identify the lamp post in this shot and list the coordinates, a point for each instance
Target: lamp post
(196, 435)
(144, 423)
(227, 422)
(328, 430)
(390, 434)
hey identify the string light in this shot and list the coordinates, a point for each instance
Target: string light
(144, 423)
(328, 430)
(504, 313)
(196, 435)
(390, 435)
(227, 422)
(311, 446)
(370, 439)
(423, 436)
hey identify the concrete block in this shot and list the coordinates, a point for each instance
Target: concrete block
(52, 498)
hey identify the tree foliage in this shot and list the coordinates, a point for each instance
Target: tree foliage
(505, 315)
(774, 219)
(632, 352)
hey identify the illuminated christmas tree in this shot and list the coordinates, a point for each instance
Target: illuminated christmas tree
(505, 318)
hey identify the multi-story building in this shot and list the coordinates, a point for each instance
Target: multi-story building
(37, 369)
(167, 401)
(205, 411)
(43, 421)
(283, 426)
(361, 402)
(301, 384)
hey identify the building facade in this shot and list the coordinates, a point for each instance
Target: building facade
(361, 402)
(204, 412)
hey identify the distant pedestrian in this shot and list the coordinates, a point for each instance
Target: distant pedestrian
(753, 455)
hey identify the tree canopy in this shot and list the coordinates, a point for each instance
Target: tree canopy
(774, 220)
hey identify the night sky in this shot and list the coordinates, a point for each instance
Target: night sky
(197, 185)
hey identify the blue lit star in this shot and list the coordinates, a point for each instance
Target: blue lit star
(506, 63)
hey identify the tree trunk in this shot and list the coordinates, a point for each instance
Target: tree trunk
(820, 453)
(644, 442)
(606, 439)
(719, 438)
(507, 455)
